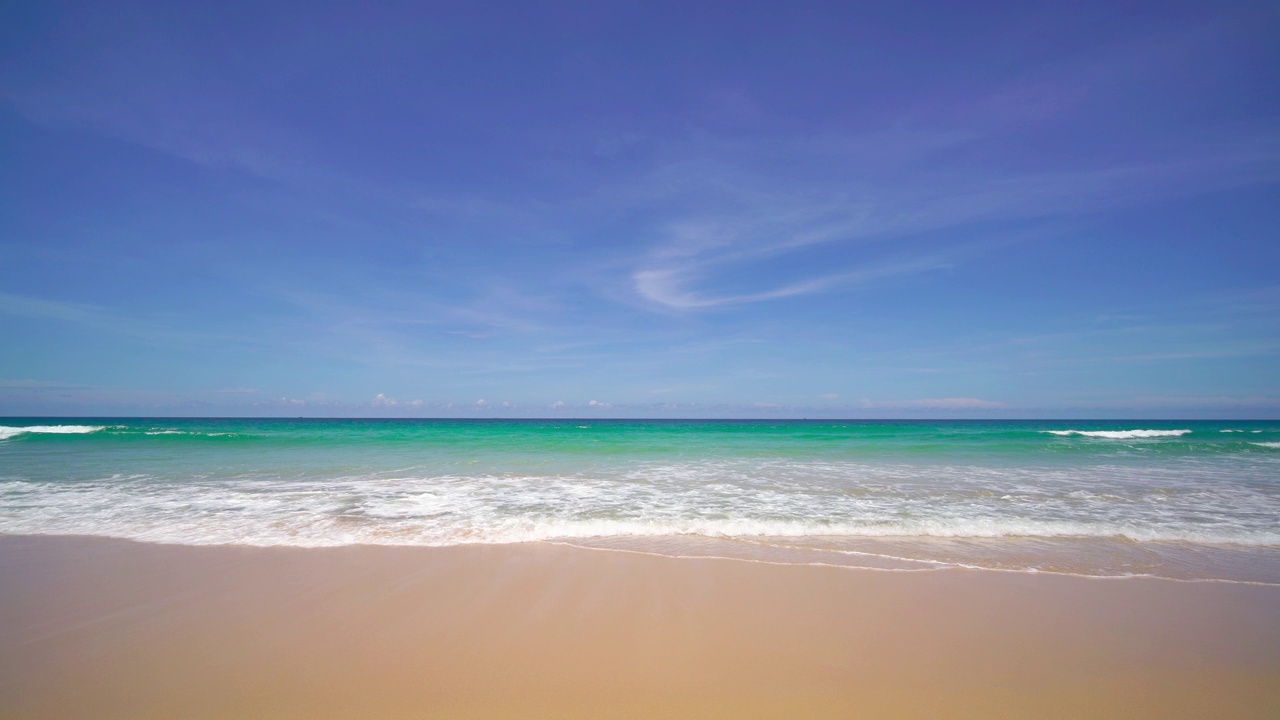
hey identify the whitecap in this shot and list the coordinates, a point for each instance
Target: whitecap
(7, 432)
(1119, 434)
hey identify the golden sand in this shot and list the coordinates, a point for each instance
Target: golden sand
(93, 628)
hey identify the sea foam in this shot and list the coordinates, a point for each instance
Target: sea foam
(1119, 434)
(7, 432)
(996, 495)
(1188, 502)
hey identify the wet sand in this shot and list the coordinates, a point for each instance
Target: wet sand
(94, 628)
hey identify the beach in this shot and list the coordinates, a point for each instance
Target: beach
(103, 628)
(639, 360)
(251, 568)
(1188, 500)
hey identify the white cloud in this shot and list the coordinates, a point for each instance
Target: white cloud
(670, 286)
(961, 404)
(752, 218)
(557, 405)
(667, 287)
(598, 404)
(481, 402)
(381, 400)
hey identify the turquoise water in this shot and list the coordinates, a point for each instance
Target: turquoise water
(1184, 499)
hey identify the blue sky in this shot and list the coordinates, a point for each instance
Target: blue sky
(640, 209)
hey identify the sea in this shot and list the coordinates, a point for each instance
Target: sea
(1194, 501)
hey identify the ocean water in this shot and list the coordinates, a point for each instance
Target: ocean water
(1190, 500)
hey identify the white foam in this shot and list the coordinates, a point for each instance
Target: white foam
(1267, 444)
(187, 432)
(193, 529)
(1196, 502)
(1120, 434)
(7, 432)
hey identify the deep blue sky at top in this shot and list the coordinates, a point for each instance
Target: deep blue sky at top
(653, 209)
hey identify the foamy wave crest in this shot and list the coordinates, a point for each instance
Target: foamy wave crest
(331, 532)
(949, 529)
(192, 434)
(1267, 444)
(7, 432)
(1119, 434)
(1186, 502)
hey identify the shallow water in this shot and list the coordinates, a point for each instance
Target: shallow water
(1186, 499)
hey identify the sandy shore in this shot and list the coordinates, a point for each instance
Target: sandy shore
(93, 628)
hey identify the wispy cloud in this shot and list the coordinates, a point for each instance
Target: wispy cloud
(670, 286)
(104, 319)
(754, 202)
(754, 235)
(764, 221)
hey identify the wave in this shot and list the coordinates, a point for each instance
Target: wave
(1119, 434)
(936, 502)
(191, 433)
(114, 431)
(1267, 444)
(7, 432)
(953, 529)
(330, 532)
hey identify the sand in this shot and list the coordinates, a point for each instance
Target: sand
(96, 628)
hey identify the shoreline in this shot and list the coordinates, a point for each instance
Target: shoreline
(940, 565)
(695, 548)
(95, 627)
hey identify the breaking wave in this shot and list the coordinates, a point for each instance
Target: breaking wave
(7, 432)
(1119, 434)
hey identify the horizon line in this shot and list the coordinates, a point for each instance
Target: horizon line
(665, 419)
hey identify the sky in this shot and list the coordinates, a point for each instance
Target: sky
(640, 209)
